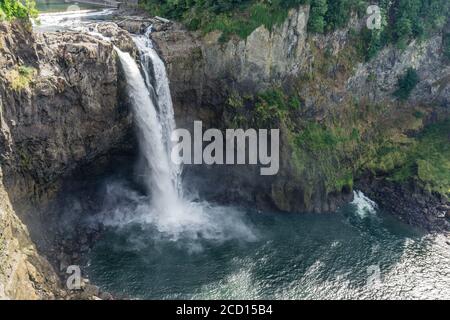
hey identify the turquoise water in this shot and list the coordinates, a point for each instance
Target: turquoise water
(46, 6)
(349, 255)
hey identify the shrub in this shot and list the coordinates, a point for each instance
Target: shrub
(402, 20)
(316, 21)
(446, 45)
(21, 77)
(10, 9)
(2, 15)
(239, 17)
(316, 138)
(406, 84)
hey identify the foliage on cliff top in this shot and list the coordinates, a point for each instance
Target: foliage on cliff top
(12, 9)
(238, 17)
(402, 20)
(241, 17)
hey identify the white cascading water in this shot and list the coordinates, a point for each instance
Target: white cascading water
(171, 213)
(166, 209)
(364, 206)
(73, 18)
(158, 173)
(150, 60)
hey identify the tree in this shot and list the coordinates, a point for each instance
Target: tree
(317, 14)
(10, 9)
(407, 83)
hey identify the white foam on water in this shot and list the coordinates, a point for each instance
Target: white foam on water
(364, 206)
(70, 19)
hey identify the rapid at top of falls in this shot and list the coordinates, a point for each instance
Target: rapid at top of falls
(71, 19)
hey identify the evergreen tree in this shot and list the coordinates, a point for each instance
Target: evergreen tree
(317, 14)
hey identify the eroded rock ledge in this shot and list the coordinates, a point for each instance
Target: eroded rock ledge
(205, 72)
(60, 110)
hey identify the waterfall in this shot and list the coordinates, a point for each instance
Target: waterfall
(159, 84)
(171, 212)
(163, 207)
(157, 169)
(363, 205)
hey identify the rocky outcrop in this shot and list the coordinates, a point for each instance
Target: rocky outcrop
(64, 110)
(409, 203)
(24, 273)
(377, 80)
(266, 56)
(202, 69)
(204, 72)
(60, 111)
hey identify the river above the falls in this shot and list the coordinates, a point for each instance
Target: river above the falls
(47, 6)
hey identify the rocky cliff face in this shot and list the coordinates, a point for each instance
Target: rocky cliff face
(377, 80)
(203, 70)
(199, 65)
(59, 111)
(24, 273)
(325, 71)
(264, 57)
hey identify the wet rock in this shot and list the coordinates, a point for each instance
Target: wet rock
(91, 290)
(134, 25)
(118, 36)
(106, 296)
(403, 200)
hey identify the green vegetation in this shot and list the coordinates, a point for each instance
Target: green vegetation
(11, 9)
(425, 159)
(446, 45)
(319, 152)
(324, 149)
(258, 15)
(402, 20)
(406, 84)
(21, 77)
(317, 21)
(232, 17)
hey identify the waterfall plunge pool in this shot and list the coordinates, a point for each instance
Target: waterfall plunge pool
(358, 253)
